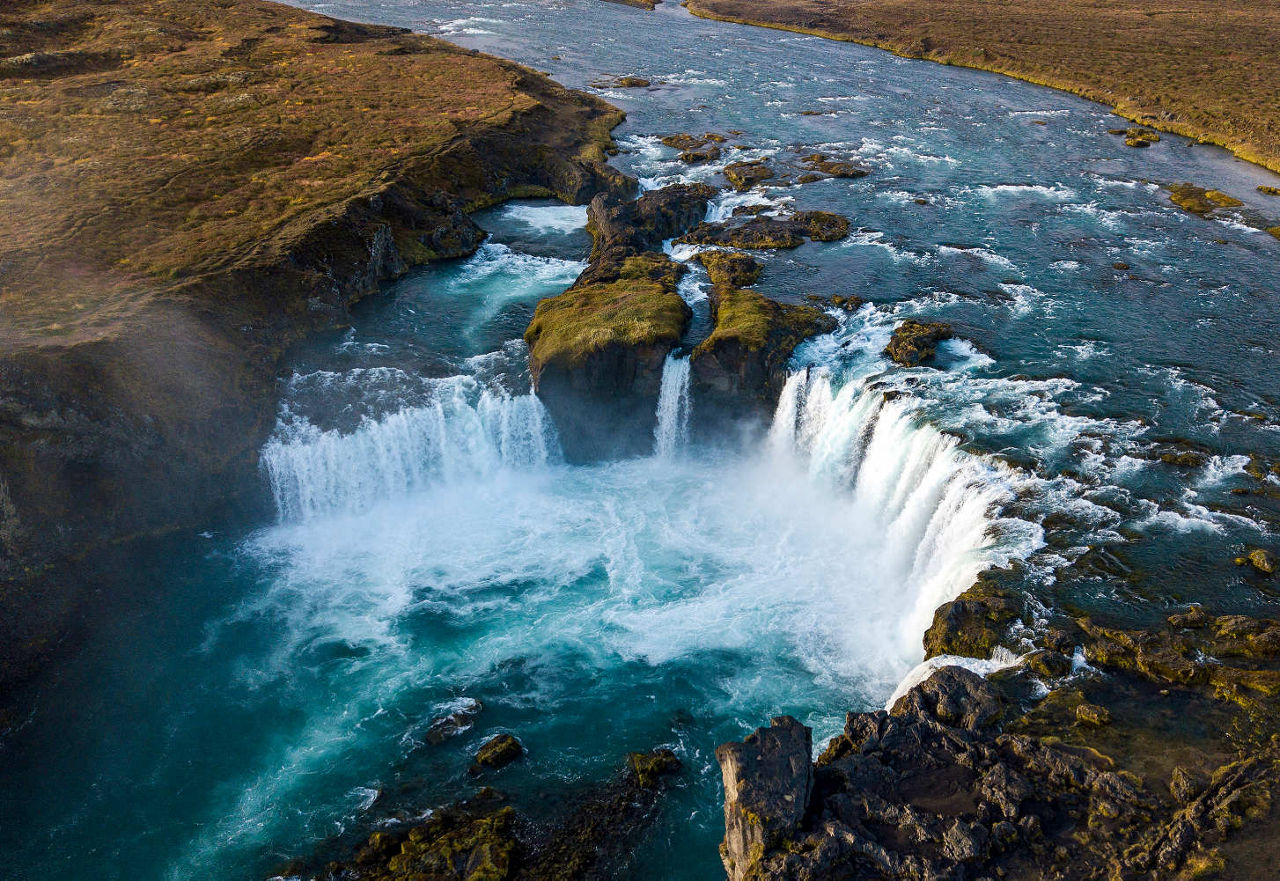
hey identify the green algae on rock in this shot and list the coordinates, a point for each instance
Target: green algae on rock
(914, 342)
(730, 269)
(499, 751)
(745, 175)
(1198, 200)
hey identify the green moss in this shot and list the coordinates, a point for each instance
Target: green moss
(1268, 191)
(916, 341)
(499, 751)
(649, 768)
(729, 269)
(751, 320)
(1198, 200)
(639, 308)
(1275, 231)
(745, 175)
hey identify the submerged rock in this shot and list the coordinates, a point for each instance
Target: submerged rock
(486, 839)
(755, 232)
(916, 341)
(454, 723)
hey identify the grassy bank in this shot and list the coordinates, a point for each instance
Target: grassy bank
(1206, 69)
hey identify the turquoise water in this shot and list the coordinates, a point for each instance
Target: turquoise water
(260, 688)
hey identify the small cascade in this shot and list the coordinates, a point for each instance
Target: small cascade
(672, 430)
(464, 431)
(936, 503)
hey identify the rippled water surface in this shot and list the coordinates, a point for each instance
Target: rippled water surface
(261, 688)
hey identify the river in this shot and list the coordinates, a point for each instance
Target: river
(269, 686)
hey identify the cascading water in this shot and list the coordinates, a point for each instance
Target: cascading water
(463, 430)
(672, 431)
(935, 503)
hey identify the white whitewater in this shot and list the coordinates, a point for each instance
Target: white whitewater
(936, 504)
(672, 431)
(465, 431)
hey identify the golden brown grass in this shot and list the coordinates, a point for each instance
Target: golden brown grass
(1208, 69)
(147, 141)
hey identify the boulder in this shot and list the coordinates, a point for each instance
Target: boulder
(499, 751)
(730, 269)
(767, 782)
(916, 341)
(745, 175)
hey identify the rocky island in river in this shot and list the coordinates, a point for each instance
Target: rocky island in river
(413, 468)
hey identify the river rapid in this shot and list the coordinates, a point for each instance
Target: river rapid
(266, 687)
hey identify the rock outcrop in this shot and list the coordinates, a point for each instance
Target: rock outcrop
(740, 369)
(770, 233)
(191, 188)
(935, 788)
(914, 342)
(596, 351)
(768, 779)
(486, 838)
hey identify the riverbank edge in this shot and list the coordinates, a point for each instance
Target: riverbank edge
(1186, 130)
(89, 432)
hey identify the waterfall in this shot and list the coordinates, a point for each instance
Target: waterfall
(463, 431)
(672, 430)
(936, 503)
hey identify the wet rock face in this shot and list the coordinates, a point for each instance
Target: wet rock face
(935, 789)
(768, 779)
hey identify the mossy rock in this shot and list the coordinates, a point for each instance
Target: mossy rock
(682, 141)
(499, 751)
(974, 623)
(1198, 200)
(730, 269)
(745, 175)
(1268, 191)
(1274, 230)
(639, 308)
(1092, 714)
(916, 341)
(649, 768)
(701, 154)
(1262, 560)
(751, 320)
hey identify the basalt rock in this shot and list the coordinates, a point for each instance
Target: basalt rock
(916, 341)
(745, 175)
(768, 779)
(596, 352)
(1198, 200)
(936, 789)
(499, 751)
(485, 838)
(741, 367)
(755, 232)
(821, 163)
(729, 269)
